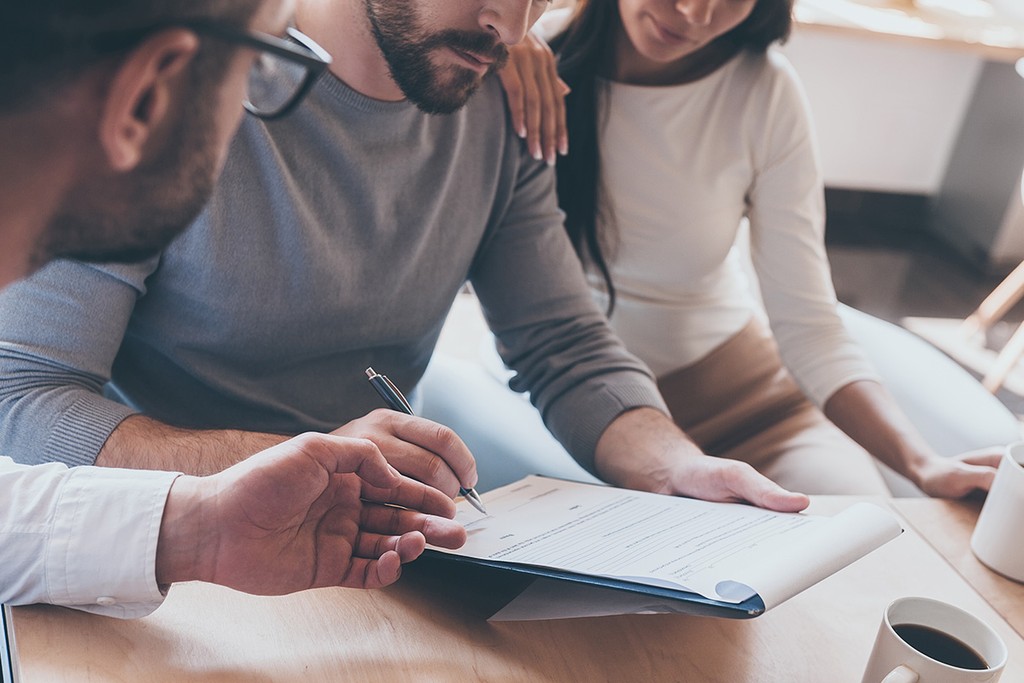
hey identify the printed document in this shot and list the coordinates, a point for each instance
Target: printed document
(723, 551)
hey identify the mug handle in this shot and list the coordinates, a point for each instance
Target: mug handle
(902, 674)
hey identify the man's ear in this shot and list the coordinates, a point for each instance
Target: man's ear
(142, 95)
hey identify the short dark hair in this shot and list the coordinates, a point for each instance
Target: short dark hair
(45, 44)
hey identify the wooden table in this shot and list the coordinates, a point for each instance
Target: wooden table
(432, 628)
(953, 24)
(947, 525)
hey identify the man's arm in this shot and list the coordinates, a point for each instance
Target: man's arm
(643, 449)
(309, 512)
(140, 442)
(421, 449)
(62, 331)
(549, 330)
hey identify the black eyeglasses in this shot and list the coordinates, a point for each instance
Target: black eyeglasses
(281, 75)
(283, 72)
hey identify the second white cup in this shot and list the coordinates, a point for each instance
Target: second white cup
(996, 538)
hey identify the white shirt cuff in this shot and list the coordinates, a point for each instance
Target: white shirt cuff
(101, 555)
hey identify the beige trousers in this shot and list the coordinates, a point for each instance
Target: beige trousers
(740, 402)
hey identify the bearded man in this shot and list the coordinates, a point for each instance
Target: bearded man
(115, 117)
(337, 239)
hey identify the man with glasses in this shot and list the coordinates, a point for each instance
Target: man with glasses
(115, 116)
(337, 239)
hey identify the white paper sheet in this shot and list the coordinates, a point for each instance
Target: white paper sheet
(554, 599)
(722, 551)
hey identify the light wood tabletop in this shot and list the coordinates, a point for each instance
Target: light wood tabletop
(970, 25)
(948, 525)
(432, 627)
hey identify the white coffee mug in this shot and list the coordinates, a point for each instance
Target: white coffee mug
(940, 643)
(996, 538)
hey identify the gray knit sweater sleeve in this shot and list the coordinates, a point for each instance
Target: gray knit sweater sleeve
(60, 331)
(549, 330)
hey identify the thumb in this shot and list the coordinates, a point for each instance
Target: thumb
(987, 458)
(765, 493)
(781, 500)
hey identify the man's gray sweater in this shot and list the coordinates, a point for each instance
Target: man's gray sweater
(337, 239)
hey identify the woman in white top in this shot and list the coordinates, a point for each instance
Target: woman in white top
(684, 124)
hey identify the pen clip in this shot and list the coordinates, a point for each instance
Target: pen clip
(398, 394)
(389, 392)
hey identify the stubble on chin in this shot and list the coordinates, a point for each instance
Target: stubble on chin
(413, 57)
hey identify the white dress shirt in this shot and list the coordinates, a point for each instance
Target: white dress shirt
(83, 537)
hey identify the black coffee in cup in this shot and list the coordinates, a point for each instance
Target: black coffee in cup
(940, 646)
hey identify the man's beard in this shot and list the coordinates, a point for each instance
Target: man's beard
(135, 216)
(407, 50)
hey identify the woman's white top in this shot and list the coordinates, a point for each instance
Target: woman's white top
(682, 167)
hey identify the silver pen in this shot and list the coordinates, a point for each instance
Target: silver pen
(397, 402)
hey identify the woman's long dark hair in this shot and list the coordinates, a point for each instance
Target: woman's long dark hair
(585, 51)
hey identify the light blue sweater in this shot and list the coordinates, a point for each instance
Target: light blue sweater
(337, 239)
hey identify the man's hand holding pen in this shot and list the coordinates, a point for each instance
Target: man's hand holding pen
(396, 401)
(418, 448)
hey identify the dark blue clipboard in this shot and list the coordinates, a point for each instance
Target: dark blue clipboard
(687, 602)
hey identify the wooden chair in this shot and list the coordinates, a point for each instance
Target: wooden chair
(991, 310)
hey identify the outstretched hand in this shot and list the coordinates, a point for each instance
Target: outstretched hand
(317, 510)
(643, 449)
